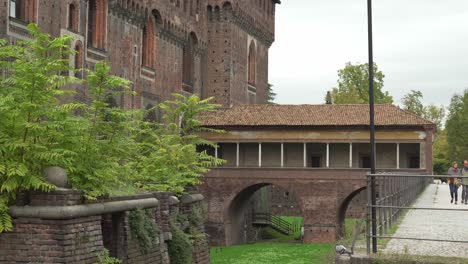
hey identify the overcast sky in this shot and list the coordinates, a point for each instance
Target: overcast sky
(418, 44)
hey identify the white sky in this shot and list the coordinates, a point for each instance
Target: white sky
(418, 44)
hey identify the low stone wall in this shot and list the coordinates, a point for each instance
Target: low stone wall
(61, 227)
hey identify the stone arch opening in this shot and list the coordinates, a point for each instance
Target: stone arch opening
(239, 216)
(356, 198)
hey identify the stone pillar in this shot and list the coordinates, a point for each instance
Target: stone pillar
(319, 202)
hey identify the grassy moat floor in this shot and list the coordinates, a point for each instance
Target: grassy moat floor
(275, 248)
(273, 253)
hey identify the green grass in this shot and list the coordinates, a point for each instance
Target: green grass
(277, 237)
(274, 253)
(295, 220)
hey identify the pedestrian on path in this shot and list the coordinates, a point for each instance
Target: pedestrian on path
(453, 173)
(464, 172)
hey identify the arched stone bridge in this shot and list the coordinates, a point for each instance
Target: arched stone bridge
(318, 153)
(323, 197)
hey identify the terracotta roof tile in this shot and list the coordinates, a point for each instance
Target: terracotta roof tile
(312, 115)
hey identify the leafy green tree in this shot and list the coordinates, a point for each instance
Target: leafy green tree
(441, 158)
(412, 102)
(456, 126)
(106, 149)
(353, 85)
(435, 114)
(102, 141)
(32, 119)
(169, 159)
(271, 95)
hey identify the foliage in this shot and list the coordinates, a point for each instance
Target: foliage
(441, 160)
(103, 147)
(412, 103)
(353, 85)
(271, 95)
(105, 258)
(180, 247)
(101, 141)
(456, 127)
(435, 114)
(32, 119)
(169, 160)
(197, 216)
(144, 228)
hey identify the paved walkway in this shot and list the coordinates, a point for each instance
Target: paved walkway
(445, 225)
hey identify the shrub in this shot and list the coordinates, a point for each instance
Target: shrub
(105, 258)
(144, 228)
(180, 247)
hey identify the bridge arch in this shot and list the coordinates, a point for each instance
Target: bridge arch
(343, 208)
(239, 211)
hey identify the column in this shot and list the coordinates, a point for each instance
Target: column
(237, 155)
(422, 155)
(282, 155)
(216, 151)
(305, 155)
(398, 155)
(259, 154)
(328, 155)
(350, 155)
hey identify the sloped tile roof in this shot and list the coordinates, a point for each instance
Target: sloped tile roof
(311, 115)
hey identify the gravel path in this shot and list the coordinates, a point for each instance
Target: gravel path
(433, 225)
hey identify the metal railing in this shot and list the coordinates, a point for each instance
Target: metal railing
(276, 222)
(395, 194)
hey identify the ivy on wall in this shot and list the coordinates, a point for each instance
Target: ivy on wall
(144, 228)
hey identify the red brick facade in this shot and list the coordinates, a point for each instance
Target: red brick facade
(167, 46)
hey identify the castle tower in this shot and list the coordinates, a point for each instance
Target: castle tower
(240, 34)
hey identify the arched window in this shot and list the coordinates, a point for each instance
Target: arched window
(252, 66)
(148, 49)
(78, 59)
(189, 63)
(25, 10)
(73, 17)
(97, 19)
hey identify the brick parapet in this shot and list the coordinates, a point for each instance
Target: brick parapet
(74, 236)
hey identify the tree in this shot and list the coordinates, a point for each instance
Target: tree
(168, 158)
(441, 158)
(32, 119)
(456, 126)
(271, 96)
(412, 102)
(353, 85)
(435, 114)
(106, 149)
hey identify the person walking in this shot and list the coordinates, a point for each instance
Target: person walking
(464, 172)
(453, 173)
